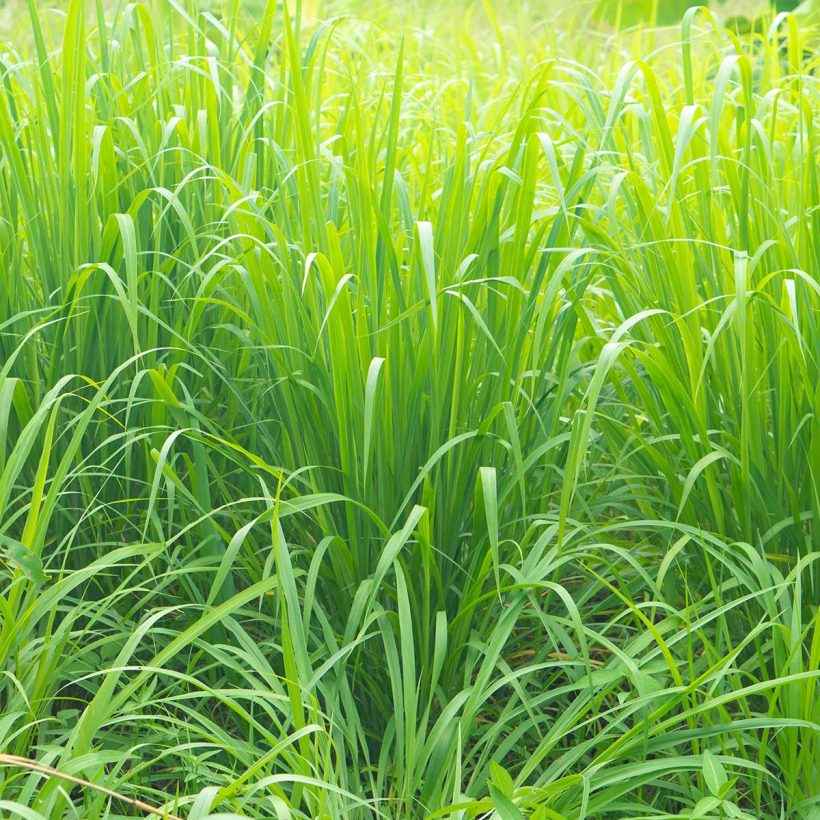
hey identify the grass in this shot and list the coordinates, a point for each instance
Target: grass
(408, 415)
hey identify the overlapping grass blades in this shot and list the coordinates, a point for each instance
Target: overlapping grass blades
(408, 426)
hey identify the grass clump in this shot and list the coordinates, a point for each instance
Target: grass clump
(404, 421)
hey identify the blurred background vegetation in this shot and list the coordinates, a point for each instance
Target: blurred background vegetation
(610, 13)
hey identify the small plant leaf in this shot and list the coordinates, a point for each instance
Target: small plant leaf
(504, 807)
(22, 558)
(713, 773)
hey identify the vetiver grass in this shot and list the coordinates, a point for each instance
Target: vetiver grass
(408, 418)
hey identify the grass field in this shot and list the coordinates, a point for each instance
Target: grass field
(408, 412)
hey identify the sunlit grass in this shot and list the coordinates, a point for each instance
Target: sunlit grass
(408, 417)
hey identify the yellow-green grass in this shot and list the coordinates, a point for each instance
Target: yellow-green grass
(408, 415)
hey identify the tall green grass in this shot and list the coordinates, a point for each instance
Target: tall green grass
(406, 420)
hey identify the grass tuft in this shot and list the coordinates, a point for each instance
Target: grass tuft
(409, 414)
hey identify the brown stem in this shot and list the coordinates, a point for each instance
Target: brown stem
(34, 766)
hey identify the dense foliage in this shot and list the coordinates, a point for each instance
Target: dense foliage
(408, 417)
